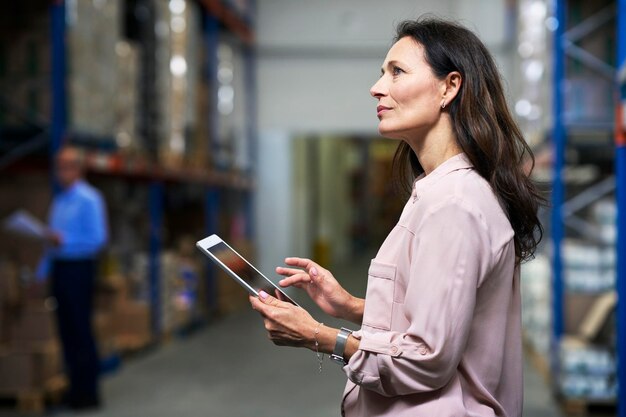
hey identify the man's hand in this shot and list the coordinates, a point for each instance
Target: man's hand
(55, 239)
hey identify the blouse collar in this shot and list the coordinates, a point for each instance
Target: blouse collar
(455, 163)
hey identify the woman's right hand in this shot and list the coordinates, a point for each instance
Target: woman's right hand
(322, 287)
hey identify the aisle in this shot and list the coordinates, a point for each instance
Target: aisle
(230, 369)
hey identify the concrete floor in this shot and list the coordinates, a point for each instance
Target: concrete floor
(223, 372)
(230, 369)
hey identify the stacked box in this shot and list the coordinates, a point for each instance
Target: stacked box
(179, 278)
(34, 325)
(131, 325)
(587, 367)
(25, 66)
(201, 135)
(120, 322)
(28, 369)
(588, 267)
(169, 285)
(10, 298)
(104, 333)
(177, 78)
(93, 33)
(604, 215)
(179, 291)
(126, 100)
(536, 310)
(587, 371)
(32, 355)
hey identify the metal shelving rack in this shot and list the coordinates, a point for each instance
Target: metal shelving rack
(563, 212)
(217, 17)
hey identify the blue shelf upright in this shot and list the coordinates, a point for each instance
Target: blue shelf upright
(212, 193)
(217, 17)
(559, 140)
(251, 127)
(565, 49)
(154, 266)
(620, 166)
(59, 93)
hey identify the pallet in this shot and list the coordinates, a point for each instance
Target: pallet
(585, 407)
(33, 401)
(132, 344)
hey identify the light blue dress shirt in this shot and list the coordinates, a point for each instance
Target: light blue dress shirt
(78, 215)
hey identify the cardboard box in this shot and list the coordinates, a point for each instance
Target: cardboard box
(17, 372)
(112, 291)
(104, 332)
(587, 366)
(106, 300)
(29, 369)
(10, 291)
(34, 326)
(132, 318)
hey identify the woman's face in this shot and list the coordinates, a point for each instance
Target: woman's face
(409, 95)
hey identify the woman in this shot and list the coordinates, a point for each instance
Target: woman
(440, 324)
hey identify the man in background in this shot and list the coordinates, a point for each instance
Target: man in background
(78, 232)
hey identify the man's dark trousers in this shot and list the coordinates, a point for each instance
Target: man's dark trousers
(73, 287)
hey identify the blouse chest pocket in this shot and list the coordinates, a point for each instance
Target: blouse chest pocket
(379, 297)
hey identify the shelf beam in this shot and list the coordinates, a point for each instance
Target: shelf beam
(588, 196)
(590, 60)
(229, 19)
(591, 24)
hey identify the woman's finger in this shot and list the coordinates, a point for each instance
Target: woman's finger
(288, 271)
(265, 303)
(256, 303)
(301, 262)
(295, 280)
(279, 295)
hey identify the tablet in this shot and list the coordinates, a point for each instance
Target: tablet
(238, 268)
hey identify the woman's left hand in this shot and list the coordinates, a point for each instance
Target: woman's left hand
(286, 324)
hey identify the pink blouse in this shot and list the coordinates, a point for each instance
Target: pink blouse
(441, 332)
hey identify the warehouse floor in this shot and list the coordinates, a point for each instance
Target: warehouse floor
(230, 369)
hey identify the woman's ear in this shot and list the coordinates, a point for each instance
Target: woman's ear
(451, 87)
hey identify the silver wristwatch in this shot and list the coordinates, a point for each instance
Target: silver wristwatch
(340, 346)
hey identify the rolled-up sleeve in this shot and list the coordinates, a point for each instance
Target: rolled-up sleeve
(450, 254)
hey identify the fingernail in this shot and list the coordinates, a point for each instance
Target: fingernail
(314, 271)
(263, 294)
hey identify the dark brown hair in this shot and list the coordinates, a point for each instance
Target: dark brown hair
(482, 124)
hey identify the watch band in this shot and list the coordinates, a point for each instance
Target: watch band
(340, 346)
